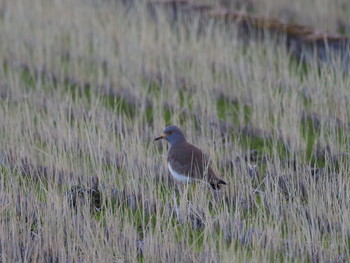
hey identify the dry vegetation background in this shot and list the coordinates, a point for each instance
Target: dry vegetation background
(85, 86)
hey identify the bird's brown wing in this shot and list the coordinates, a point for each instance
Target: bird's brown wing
(188, 160)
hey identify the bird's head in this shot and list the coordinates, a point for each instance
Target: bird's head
(172, 134)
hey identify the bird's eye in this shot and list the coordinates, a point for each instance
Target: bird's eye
(169, 132)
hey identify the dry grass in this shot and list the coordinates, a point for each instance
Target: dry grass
(85, 86)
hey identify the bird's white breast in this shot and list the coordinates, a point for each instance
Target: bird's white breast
(177, 176)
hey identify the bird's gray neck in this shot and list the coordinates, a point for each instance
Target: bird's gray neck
(177, 140)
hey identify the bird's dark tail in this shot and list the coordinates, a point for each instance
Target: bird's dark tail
(217, 185)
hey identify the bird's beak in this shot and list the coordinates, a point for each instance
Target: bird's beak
(160, 137)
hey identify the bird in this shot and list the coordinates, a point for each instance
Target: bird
(187, 163)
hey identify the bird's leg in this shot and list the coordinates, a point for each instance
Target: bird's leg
(218, 196)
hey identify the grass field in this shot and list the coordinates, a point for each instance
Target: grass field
(85, 87)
